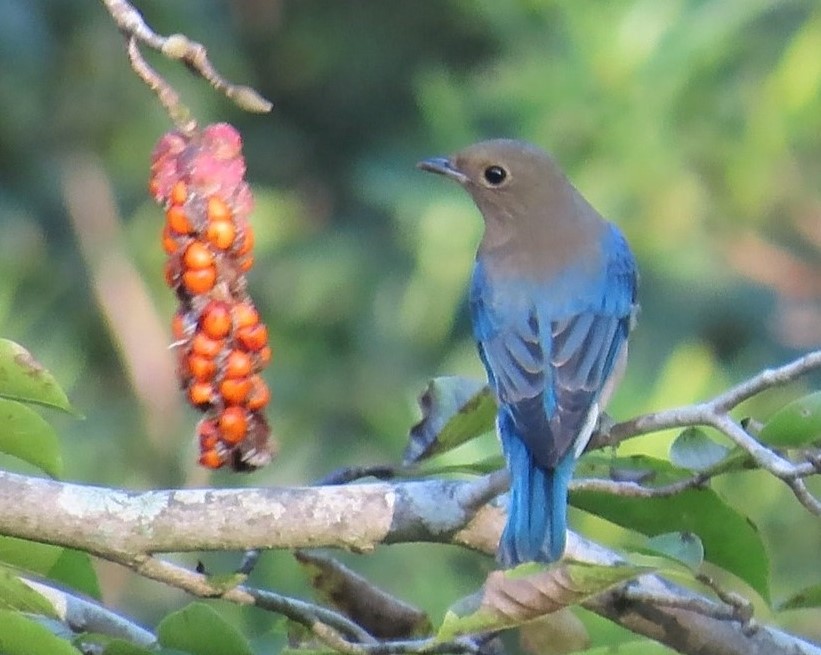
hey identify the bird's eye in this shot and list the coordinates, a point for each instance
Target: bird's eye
(495, 175)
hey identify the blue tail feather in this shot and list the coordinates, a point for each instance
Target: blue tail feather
(536, 528)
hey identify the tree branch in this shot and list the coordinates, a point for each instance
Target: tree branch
(126, 526)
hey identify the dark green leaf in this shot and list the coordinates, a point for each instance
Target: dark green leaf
(17, 595)
(26, 435)
(683, 547)
(23, 378)
(695, 451)
(200, 630)
(808, 597)
(74, 568)
(730, 539)
(20, 635)
(454, 410)
(516, 596)
(122, 647)
(71, 567)
(796, 424)
(481, 467)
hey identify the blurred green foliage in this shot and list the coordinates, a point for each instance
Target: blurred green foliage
(693, 124)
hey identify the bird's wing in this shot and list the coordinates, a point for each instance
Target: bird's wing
(548, 365)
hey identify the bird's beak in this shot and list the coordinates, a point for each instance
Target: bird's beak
(442, 166)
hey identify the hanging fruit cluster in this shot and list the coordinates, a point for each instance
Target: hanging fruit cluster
(220, 342)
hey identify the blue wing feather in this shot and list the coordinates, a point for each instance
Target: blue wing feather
(550, 347)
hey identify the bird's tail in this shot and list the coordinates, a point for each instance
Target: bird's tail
(536, 528)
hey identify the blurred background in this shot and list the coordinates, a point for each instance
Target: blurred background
(695, 125)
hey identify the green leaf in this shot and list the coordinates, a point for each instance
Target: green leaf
(806, 598)
(683, 547)
(730, 539)
(513, 597)
(796, 424)
(695, 451)
(74, 568)
(454, 411)
(200, 630)
(23, 378)
(71, 567)
(17, 595)
(645, 647)
(480, 467)
(20, 635)
(28, 436)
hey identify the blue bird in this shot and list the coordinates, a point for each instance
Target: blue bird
(552, 299)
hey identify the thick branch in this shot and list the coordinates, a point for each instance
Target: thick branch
(125, 526)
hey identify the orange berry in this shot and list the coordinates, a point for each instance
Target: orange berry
(200, 280)
(221, 234)
(179, 193)
(234, 391)
(198, 255)
(172, 272)
(178, 221)
(238, 364)
(153, 188)
(245, 314)
(216, 319)
(246, 241)
(233, 425)
(201, 368)
(253, 337)
(246, 264)
(180, 329)
(211, 459)
(208, 434)
(201, 393)
(259, 395)
(217, 209)
(169, 243)
(265, 355)
(205, 346)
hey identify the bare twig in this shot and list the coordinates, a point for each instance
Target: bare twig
(179, 47)
(84, 615)
(715, 413)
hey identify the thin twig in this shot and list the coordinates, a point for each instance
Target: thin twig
(715, 413)
(179, 47)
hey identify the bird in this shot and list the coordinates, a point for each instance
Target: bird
(553, 298)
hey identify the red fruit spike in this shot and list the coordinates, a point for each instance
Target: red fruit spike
(201, 394)
(197, 281)
(216, 319)
(233, 424)
(204, 345)
(244, 315)
(217, 210)
(265, 354)
(178, 221)
(259, 395)
(179, 193)
(234, 391)
(221, 234)
(211, 459)
(201, 368)
(208, 434)
(198, 255)
(246, 241)
(253, 337)
(169, 244)
(238, 364)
